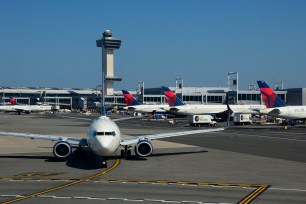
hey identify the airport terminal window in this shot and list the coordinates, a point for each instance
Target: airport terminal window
(214, 99)
(109, 100)
(219, 99)
(209, 98)
(243, 97)
(120, 100)
(282, 96)
(152, 99)
(249, 97)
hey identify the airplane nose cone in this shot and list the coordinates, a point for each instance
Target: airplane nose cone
(106, 146)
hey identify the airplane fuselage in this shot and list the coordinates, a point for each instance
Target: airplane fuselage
(148, 108)
(287, 112)
(104, 137)
(212, 109)
(30, 108)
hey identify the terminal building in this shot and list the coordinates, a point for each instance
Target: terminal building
(84, 99)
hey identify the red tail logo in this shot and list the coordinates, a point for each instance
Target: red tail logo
(12, 101)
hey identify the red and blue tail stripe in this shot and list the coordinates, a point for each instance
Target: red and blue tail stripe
(129, 99)
(12, 101)
(171, 98)
(271, 99)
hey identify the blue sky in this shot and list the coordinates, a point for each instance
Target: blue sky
(52, 43)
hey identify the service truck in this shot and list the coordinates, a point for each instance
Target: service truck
(198, 120)
(242, 119)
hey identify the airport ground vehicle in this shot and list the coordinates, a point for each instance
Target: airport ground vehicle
(242, 119)
(284, 122)
(198, 120)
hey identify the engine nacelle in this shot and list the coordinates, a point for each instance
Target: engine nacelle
(143, 148)
(62, 149)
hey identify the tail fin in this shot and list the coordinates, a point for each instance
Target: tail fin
(171, 98)
(129, 99)
(12, 101)
(271, 99)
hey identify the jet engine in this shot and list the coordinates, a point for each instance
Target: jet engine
(62, 149)
(143, 148)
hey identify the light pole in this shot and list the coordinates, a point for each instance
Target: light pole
(176, 79)
(141, 89)
(3, 96)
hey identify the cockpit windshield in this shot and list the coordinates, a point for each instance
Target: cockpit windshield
(113, 133)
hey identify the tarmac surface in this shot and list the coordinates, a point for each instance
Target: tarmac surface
(249, 164)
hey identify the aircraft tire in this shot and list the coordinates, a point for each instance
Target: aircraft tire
(129, 154)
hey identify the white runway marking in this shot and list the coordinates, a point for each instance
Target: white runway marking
(114, 199)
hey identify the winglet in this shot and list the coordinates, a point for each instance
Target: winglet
(129, 99)
(271, 99)
(171, 98)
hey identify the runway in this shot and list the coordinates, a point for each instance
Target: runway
(240, 165)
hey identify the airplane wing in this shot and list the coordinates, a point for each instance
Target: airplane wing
(131, 108)
(134, 140)
(173, 109)
(275, 111)
(71, 140)
(118, 119)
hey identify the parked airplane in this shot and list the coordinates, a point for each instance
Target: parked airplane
(14, 107)
(276, 106)
(104, 139)
(134, 105)
(178, 107)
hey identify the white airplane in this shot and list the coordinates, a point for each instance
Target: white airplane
(104, 139)
(135, 106)
(178, 107)
(14, 107)
(276, 107)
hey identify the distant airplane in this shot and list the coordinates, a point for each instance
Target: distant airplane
(14, 107)
(134, 105)
(276, 106)
(178, 107)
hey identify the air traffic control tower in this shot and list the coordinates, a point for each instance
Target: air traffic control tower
(108, 45)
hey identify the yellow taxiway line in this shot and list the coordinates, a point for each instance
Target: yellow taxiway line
(117, 162)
